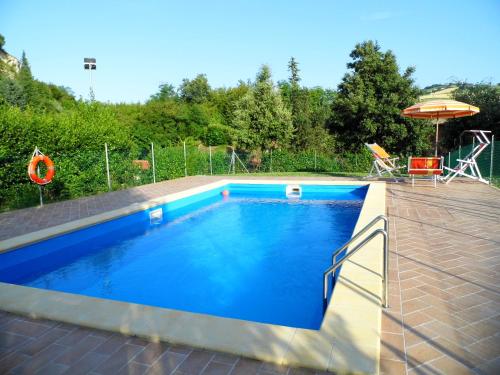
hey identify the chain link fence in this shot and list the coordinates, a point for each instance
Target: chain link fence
(105, 168)
(488, 161)
(87, 172)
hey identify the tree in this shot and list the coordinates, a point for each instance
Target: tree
(225, 101)
(196, 90)
(299, 104)
(370, 99)
(11, 92)
(293, 67)
(27, 82)
(2, 41)
(166, 91)
(486, 96)
(25, 70)
(261, 117)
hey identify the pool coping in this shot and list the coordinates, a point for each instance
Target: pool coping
(347, 342)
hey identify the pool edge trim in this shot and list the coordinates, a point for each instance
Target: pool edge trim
(348, 341)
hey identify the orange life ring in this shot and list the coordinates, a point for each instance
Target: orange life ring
(32, 170)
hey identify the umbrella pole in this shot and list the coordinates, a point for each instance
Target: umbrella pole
(437, 132)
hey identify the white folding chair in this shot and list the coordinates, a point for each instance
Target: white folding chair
(469, 162)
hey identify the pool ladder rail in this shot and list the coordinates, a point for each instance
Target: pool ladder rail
(336, 264)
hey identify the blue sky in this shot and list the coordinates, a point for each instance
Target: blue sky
(140, 44)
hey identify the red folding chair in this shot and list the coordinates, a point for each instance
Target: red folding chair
(425, 166)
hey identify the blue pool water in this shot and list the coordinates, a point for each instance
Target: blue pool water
(254, 255)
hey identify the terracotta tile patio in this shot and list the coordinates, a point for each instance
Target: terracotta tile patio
(444, 316)
(444, 295)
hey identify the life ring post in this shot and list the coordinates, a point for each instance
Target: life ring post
(34, 171)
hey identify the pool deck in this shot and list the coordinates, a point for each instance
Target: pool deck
(445, 304)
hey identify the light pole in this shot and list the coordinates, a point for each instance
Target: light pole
(89, 63)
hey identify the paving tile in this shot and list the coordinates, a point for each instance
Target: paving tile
(411, 293)
(273, 368)
(300, 371)
(217, 368)
(247, 366)
(33, 346)
(450, 332)
(230, 359)
(166, 364)
(455, 351)
(151, 353)
(74, 353)
(12, 361)
(421, 353)
(483, 328)
(195, 362)
(180, 349)
(468, 301)
(416, 318)
(392, 346)
(133, 368)
(87, 363)
(119, 359)
(73, 337)
(11, 340)
(390, 367)
(392, 322)
(25, 328)
(51, 368)
(138, 341)
(487, 349)
(112, 344)
(488, 368)
(417, 335)
(414, 305)
(51, 352)
(448, 365)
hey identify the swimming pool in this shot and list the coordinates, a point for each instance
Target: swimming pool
(255, 255)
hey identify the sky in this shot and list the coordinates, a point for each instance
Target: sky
(142, 44)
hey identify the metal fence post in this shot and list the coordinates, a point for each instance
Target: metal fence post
(107, 166)
(315, 157)
(449, 162)
(40, 188)
(153, 162)
(271, 162)
(210, 158)
(185, 160)
(491, 156)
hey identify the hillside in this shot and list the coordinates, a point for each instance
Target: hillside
(438, 92)
(9, 65)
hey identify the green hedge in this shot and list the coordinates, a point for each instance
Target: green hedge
(75, 142)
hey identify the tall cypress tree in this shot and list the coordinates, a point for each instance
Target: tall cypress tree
(27, 82)
(299, 105)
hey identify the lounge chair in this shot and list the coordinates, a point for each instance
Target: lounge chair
(382, 163)
(425, 166)
(469, 162)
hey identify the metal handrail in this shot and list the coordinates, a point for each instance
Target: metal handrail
(336, 265)
(362, 231)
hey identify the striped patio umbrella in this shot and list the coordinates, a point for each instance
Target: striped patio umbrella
(439, 110)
